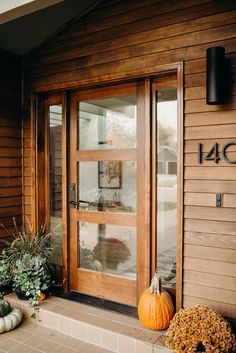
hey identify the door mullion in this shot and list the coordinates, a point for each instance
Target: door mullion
(73, 226)
(143, 186)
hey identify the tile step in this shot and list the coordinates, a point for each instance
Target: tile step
(33, 338)
(104, 329)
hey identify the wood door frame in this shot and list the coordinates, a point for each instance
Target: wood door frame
(135, 74)
(41, 172)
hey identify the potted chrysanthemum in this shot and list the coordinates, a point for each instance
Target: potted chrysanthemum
(200, 329)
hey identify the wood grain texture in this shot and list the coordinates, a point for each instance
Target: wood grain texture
(222, 295)
(10, 142)
(210, 226)
(210, 266)
(143, 188)
(222, 241)
(210, 280)
(225, 309)
(213, 213)
(209, 199)
(204, 252)
(110, 287)
(213, 173)
(213, 186)
(122, 219)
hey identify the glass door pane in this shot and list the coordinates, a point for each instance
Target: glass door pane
(108, 186)
(166, 107)
(55, 175)
(108, 123)
(108, 248)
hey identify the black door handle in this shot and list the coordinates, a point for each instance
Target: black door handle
(73, 203)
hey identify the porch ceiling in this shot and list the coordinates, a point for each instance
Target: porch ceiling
(28, 31)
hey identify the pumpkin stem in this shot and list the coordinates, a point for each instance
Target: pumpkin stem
(155, 287)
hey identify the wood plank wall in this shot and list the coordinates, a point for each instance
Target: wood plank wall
(28, 159)
(10, 142)
(121, 36)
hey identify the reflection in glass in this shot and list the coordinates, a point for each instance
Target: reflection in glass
(55, 174)
(107, 123)
(167, 185)
(108, 248)
(107, 186)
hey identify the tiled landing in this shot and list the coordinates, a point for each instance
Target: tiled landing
(32, 338)
(109, 331)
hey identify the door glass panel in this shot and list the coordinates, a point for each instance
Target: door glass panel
(107, 123)
(167, 185)
(107, 248)
(107, 186)
(55, 175)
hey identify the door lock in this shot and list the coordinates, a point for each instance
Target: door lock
(72, 201)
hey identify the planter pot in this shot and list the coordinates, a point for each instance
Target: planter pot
(22, 294)
(56, 290)
(6, 288)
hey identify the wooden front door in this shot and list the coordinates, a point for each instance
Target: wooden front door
(110, 165)
(109, 205)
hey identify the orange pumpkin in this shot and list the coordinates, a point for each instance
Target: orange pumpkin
(42, 297)
(155, 308)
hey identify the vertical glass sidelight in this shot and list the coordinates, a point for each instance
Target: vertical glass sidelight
(55, 175)
(107, 123)
(166, 107)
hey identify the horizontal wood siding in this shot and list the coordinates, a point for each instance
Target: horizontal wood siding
(28, 152)
(10, 143)
(114, 42)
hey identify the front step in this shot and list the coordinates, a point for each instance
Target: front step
(32, 338)
(105, 329)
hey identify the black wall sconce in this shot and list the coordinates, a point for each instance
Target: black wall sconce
(215, 81)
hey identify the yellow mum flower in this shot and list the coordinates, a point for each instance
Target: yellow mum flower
(200, 329)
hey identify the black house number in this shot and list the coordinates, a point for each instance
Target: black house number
(213, 153)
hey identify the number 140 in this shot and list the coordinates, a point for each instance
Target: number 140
(213, 153)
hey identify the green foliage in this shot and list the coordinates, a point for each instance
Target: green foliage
(32, 277)
(29, 261)
(35, 244)
(5, 271)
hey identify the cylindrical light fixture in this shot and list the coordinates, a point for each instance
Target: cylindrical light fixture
(215, 75)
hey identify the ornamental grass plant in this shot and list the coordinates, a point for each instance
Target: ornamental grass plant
(5, 272)
(29, 262)
(26, 241)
